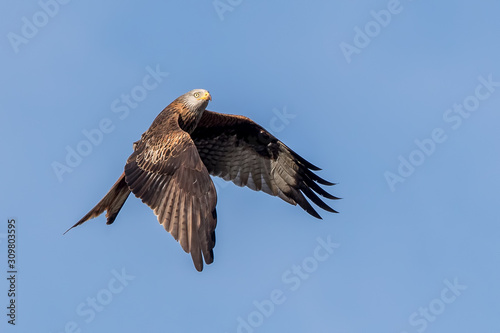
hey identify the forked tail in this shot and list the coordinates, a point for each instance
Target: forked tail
(111, 203)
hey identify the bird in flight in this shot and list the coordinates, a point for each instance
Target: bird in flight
(171, 165)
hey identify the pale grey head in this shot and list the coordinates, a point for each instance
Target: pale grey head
(196, 99)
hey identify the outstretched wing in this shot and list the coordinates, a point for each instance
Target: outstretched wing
(237, 149)
(165, 171)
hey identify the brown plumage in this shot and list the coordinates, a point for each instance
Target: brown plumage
(171, 165)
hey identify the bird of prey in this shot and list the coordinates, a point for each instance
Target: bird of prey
(170, 168)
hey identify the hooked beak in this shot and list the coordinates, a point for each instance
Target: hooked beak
(206, 96)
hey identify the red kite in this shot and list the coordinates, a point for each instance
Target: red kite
(171, 165)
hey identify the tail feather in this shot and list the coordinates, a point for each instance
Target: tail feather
(111, 203)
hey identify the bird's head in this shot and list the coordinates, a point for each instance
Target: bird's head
(196, 99)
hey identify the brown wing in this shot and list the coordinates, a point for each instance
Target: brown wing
(166, 173)
(237, 149)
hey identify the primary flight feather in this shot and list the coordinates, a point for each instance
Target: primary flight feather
(171, 165)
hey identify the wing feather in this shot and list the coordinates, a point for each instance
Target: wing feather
(237, 149)
(165, 171)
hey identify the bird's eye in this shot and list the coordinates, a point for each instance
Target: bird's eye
(196, 94)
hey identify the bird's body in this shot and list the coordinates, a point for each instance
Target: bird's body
(170, 169)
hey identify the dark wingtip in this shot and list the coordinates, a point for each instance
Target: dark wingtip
(315, 187)
(318, 179)
(303, 161)
(323, 181)
(319, 216)
(305, 205)
(331, 210)
(311, 210)
(314, 198)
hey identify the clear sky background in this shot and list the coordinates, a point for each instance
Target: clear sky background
(364, 94)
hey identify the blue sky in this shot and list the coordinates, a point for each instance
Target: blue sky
(397, 101)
